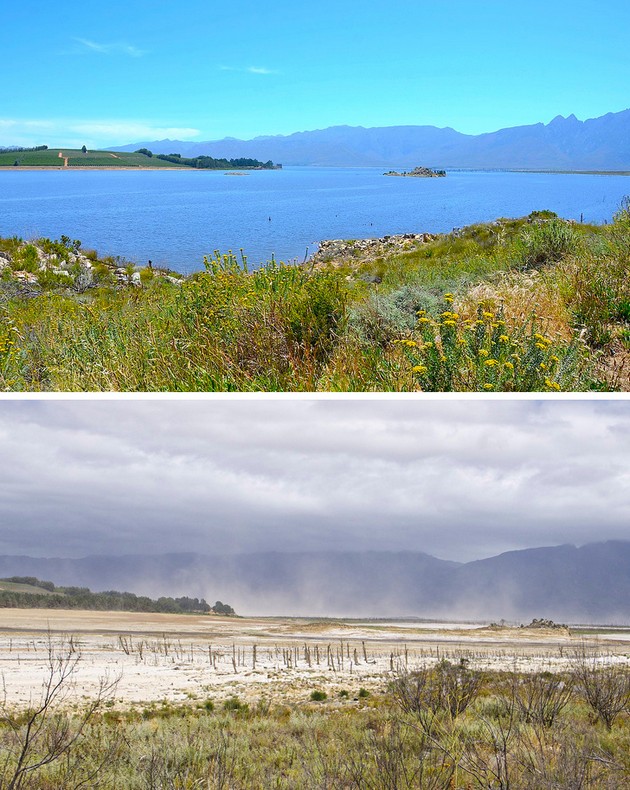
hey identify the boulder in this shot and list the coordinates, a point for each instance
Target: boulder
(337, 252)
(25, 277)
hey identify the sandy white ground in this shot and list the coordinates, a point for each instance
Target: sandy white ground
(176, 658)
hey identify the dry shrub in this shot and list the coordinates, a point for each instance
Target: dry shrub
(542, 696)
(597, 290)
(521, 295)
(603, 685)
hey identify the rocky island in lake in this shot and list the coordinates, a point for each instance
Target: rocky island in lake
(418, 172)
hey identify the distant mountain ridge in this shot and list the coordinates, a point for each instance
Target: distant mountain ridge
(586, 584)
(563, 144)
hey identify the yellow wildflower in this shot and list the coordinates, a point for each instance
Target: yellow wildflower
(490, 362)
(503, 338)
(483, 352)
(419, 369)
(487, 386)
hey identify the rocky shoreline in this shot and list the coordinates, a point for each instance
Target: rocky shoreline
(337, 252)
(35, 265)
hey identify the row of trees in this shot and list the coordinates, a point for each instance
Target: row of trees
(209, 162)
(53, 597)
(17, 149)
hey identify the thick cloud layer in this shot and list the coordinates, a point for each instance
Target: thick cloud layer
(458, 479)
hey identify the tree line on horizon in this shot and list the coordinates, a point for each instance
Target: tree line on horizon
(17, 149)
(53, 597)
(204, 162)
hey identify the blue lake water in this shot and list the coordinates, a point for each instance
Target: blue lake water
(175, 217)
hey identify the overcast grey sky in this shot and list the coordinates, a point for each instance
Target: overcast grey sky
(457, 479)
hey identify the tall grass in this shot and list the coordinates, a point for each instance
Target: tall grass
(223, 329)
(446, 727)
(435, 318)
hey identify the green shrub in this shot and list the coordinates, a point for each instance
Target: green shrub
(234, 704)
(597, 290)
(50, 280)
(318, 696)
(103, 275)
(621, 218)
(543, 214)
(26, 259)
(382, 317)
(546, 242)
(11, 245)
(146, 275)
(58, 248)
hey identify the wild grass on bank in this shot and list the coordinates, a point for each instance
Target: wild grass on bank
(444, 726)
(536, 304)
(224, 329)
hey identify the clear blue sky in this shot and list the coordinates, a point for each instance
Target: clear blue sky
(118, 72)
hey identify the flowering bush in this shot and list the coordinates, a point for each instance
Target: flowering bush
(482, 353)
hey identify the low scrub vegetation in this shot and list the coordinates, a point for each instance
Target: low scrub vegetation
(446, 726)
(535, 304)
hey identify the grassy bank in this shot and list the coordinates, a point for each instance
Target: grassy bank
(143, 158)
(447, 726)
(535, 304)
(75, 157)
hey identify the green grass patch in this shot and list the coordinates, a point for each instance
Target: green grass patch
(76, 158)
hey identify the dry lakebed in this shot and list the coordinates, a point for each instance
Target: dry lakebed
(175, 658)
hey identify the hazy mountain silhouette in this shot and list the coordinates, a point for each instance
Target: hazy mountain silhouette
(564, 144)
(590, 583)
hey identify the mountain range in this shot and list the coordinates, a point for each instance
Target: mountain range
(586, 584)
(563, 144)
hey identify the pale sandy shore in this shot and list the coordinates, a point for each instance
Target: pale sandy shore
(177, 658)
